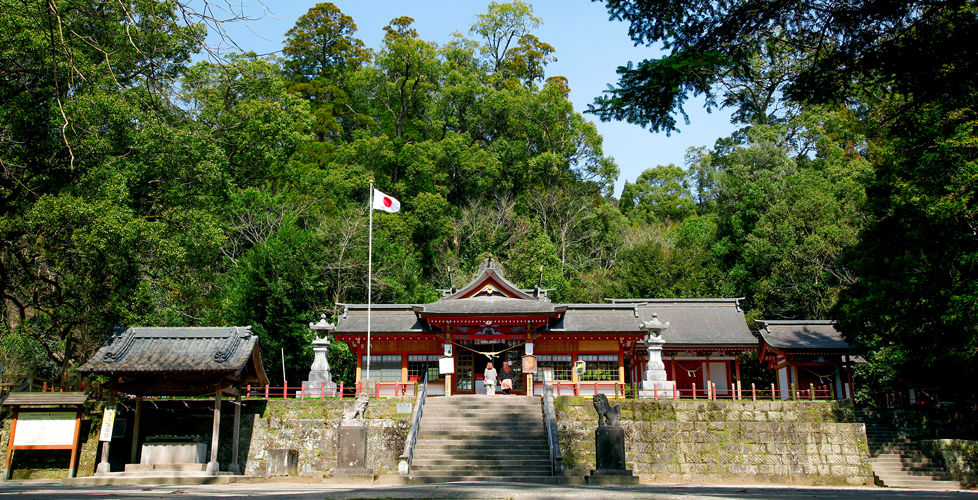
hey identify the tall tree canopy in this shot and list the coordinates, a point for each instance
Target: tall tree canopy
(902, 75)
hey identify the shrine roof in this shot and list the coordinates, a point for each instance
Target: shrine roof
(802, 335)
(385, 318)
(136, 350)
(488, 305)
(693, 322)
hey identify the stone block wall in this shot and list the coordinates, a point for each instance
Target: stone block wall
(799, 442)
(305, 425)
(959, 457)
(310, 427)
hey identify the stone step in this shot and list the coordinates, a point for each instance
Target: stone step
(534, 428)
(474, 462)
(484, 434)
(484, 466)
(509, 479)
(479, 454)
(457, 446)
(486, 472)
(463, 412)
(490, 404)
(918, 482)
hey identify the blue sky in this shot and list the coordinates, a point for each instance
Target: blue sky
(589, 48)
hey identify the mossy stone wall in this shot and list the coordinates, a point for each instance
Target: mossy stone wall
(305, 425)
(799, 442)
(310, 427)
(959, 457)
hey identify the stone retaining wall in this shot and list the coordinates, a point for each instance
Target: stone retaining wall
(800, 442)
(310, 428)
(959, 457)
(305, 425)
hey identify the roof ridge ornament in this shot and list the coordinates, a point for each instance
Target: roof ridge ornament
(126, 337)
(230, 345)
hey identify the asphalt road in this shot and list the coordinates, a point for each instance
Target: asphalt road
(43, 490)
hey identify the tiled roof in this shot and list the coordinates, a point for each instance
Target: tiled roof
(187, 349)
(802, 335)
(384, 318)
(709, 322)
(489, 306)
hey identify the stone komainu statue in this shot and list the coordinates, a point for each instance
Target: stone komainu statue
(607, 416)
(355, 409)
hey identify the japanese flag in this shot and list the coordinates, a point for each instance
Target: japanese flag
(385, 203)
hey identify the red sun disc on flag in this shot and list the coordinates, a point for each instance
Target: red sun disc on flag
(387, 202)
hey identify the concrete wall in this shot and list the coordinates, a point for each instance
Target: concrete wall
(799, 442)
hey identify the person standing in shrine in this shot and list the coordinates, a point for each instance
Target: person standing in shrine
(489, 379)
(506, 378)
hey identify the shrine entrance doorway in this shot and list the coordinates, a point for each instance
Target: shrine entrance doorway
(471, 360)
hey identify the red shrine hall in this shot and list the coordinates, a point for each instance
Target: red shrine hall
(491, 319)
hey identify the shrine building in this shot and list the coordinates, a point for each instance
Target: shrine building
(807, 355)
(492, 319)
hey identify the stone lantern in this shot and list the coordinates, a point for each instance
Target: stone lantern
(319, 376)
(654, 382)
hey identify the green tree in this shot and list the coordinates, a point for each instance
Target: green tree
(661, 192)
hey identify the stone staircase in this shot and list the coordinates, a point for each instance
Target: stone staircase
(482, 438)
(897, 461)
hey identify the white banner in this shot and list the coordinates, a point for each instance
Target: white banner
(108, 420)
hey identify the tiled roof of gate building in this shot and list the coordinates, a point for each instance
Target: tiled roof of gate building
(186, 349)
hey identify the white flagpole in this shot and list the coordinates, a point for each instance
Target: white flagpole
(370, 265)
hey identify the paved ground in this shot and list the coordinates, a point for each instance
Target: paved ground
(44, 490)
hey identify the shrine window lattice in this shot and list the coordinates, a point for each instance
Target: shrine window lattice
(559, 363)
(419, 364)
(600, 367)
(383, 367)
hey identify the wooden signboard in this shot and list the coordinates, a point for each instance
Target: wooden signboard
(45, 428)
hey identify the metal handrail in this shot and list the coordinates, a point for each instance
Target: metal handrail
(412, 437)
(553, 439)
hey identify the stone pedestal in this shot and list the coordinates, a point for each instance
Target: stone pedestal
(609, 458)
(282, 462)
(665, 390)
(351, 451)
(173, 453)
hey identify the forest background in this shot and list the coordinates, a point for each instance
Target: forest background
(141, 188)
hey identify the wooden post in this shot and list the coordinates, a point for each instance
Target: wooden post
(811, 392)
(8, 471)
(234, 467)
(753, 392)
(341, 389)
(302, 391)
(772, 391)
(73, 464)
(213, 466)
(103, 466)
(694, 391)
(248, 394)
(285, 391)
(266, 392)
(135, 430)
